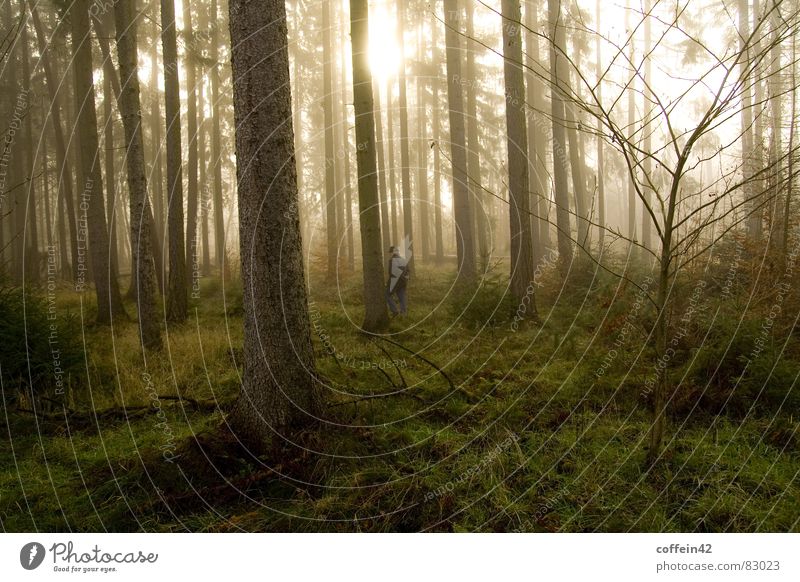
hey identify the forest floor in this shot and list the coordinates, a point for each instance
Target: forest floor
(501, 425)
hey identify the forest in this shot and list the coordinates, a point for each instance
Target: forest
(399, 266)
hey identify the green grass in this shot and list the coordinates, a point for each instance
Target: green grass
(529, 440)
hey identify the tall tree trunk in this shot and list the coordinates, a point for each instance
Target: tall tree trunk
(522, 264)
(537, 140)
(385, 225)
(157, 172)
(109, 300)
(280, 389)
(177, 296)
(601, 190)
(375, 316)
(191, 127)
(391, 160)
(473, 144)
(348, 186)
(632, 234)
(558, 68)
(437, 144)
(405, 157)
(205, 201)
(748, 153)
(793, 120)
(141, 223)
(647, 163)
(331, 223)
(110, 177)
(216, 144)
(465, 246)
(32, 257)
(576, 163)
(422, 155)
(756, 221)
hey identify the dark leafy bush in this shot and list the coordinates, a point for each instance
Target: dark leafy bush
(41, 347)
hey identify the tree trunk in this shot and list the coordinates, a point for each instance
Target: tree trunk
(537, 140)
(157, 172)
(348, 186)
(748, 154)
(601, 191)
(422, 157)
(216, 145)
(280, 389)
(109, 300)
(576, 164)
(191, 127)
(391, 161)
(32, 257)
(405, 158)
(522, 265)
(473, 144)
(143, 273)
(375, 317)
(331, 222)
(385, 226)
(465, 246)
(558, 68)
(647, 163)
(631, 130)
(177, 296)
(437, 144)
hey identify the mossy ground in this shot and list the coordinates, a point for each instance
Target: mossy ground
(532, 438)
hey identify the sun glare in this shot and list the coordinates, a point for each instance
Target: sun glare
(384, 53)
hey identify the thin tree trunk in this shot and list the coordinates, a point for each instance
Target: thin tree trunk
(473, 144)
(437, 144)
(385, 225)
(280, 389)
(558, 68)
(141, 223)
(522, 264)
(753, 224)
(391, 161)
(537, 170)
(375, 316)
(177, 296)
(647, 164)
(465, 246)
(632, 230)
(405, 158)
(216, 145)
(331, 214)
(601, 191)
(191, 127)
(32, 256)
(109, 300)
(422, 156)
(157, 173)
(348, 186)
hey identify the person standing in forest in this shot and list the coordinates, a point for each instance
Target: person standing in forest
(397, 285)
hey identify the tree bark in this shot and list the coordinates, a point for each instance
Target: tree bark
(280, 389)
(177, 296)
(405, 157)
(473, 144)
(465, 246)
(331, 215)
(558, 68)
(522, 265)
(143, 274)
(192, 266)
(369, 204)
(216, 145)
(109, 300)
